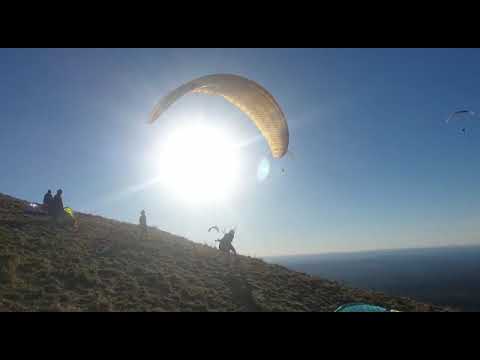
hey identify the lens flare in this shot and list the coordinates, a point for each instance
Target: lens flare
(263, 169)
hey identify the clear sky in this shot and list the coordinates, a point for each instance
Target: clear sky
(373, 165)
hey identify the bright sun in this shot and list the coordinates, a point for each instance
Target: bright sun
(199, 164)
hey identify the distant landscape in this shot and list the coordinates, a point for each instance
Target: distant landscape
(445, 276)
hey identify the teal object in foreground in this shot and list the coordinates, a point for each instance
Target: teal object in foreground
(357, 307)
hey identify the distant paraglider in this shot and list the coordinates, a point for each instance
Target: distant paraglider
(460, 115)
(251, 98)
(461, 118)
(214, 228)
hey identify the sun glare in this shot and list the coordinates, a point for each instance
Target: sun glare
(199, 164)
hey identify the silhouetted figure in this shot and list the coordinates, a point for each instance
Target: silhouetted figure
(143, 225)
(47, 201)
(226, 242)
(57, 205)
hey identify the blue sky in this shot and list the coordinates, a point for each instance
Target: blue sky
(374, 165)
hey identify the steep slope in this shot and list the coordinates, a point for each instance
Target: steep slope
(104, 267)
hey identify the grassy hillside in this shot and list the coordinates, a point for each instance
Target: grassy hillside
(104, 267)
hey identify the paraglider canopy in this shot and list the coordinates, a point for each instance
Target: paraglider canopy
(360, 307)
(35, 209)
(460, 115)
(251, 98)
(214, 228)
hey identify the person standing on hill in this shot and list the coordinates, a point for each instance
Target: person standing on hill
(143, 225)
(47, 202)
(226, 243)
(57, 205)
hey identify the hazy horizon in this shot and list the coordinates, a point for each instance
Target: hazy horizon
(346, 252)
(373, 165)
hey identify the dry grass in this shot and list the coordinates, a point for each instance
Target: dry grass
(104, 267)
